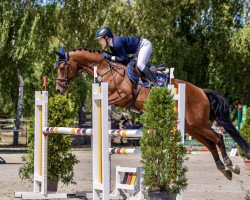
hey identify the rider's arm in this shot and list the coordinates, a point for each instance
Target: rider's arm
(120, 52)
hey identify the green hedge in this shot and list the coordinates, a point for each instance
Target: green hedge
(162, 150)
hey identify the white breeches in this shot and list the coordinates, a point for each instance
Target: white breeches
(144, 53)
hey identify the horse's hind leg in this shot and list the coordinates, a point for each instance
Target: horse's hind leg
(234, 168)
(212, 148)
(227, 161)
(218, 139)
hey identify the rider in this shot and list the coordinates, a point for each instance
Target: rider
(121, 46)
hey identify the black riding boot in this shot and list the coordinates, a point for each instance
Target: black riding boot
(149, 74)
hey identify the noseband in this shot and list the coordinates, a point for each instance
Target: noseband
(68, 68)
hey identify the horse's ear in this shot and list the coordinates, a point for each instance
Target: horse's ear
(62, 51)
(61, 55)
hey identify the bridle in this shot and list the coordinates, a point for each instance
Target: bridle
(68, 67)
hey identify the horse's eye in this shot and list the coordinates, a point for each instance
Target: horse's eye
(62, 68)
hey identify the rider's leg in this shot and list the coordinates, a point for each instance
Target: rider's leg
(149, 74)
(143, 57)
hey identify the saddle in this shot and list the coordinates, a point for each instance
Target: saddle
(137, 77)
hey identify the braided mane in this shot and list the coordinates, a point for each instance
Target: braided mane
(87, 49)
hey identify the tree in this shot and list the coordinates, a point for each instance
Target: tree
(20, 47)
(240, 64)
(162, 150)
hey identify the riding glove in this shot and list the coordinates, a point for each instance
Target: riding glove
(106, 55)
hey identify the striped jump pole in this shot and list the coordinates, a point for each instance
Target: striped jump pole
(67, 131)
(117, 150)
(134, 133)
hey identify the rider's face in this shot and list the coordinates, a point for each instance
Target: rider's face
(102, 42)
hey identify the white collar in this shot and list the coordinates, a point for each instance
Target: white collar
(110, 42)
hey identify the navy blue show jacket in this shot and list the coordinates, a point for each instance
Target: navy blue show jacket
(124, 45)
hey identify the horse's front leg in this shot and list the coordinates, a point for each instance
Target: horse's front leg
(118, 116)
(119, 99)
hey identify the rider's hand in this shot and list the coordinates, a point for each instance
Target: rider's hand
(106, 55)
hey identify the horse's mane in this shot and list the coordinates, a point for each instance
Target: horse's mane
(94, 51)
(87, 49)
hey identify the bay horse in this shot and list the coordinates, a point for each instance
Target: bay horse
(201, 104)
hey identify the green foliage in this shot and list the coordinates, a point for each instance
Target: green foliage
(245, 133)
(219, 45)
(61, 160)
(240, 63)
(122, 14)
(162, 150)
(25, 39)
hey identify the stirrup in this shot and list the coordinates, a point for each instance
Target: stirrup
(159, 68)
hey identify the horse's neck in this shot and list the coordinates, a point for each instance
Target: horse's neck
(87, 60)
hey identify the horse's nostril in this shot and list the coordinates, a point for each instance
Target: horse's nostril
(58, 90)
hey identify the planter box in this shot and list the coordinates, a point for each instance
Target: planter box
(52, 185)
(161, 196)
(247, 165)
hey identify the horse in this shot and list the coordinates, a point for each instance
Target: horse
(201, 104)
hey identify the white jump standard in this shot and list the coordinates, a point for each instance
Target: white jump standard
(40, 153)
(100, 143)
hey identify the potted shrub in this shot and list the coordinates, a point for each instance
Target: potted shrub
(245, 133)
(61, 160)
(162, 150)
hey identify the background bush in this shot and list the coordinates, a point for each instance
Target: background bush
(245, 133)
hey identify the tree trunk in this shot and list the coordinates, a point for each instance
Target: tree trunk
(19, 110)
(81, 113)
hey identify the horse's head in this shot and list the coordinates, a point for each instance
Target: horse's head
(70, 64)
(67, 70)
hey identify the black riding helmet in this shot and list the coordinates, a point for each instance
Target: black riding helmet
(103, 32)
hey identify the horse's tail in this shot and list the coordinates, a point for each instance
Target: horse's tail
(221, 113)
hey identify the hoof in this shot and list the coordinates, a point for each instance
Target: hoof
(234, 168)
(227, 173)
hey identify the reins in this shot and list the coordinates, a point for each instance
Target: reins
(110, 69)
